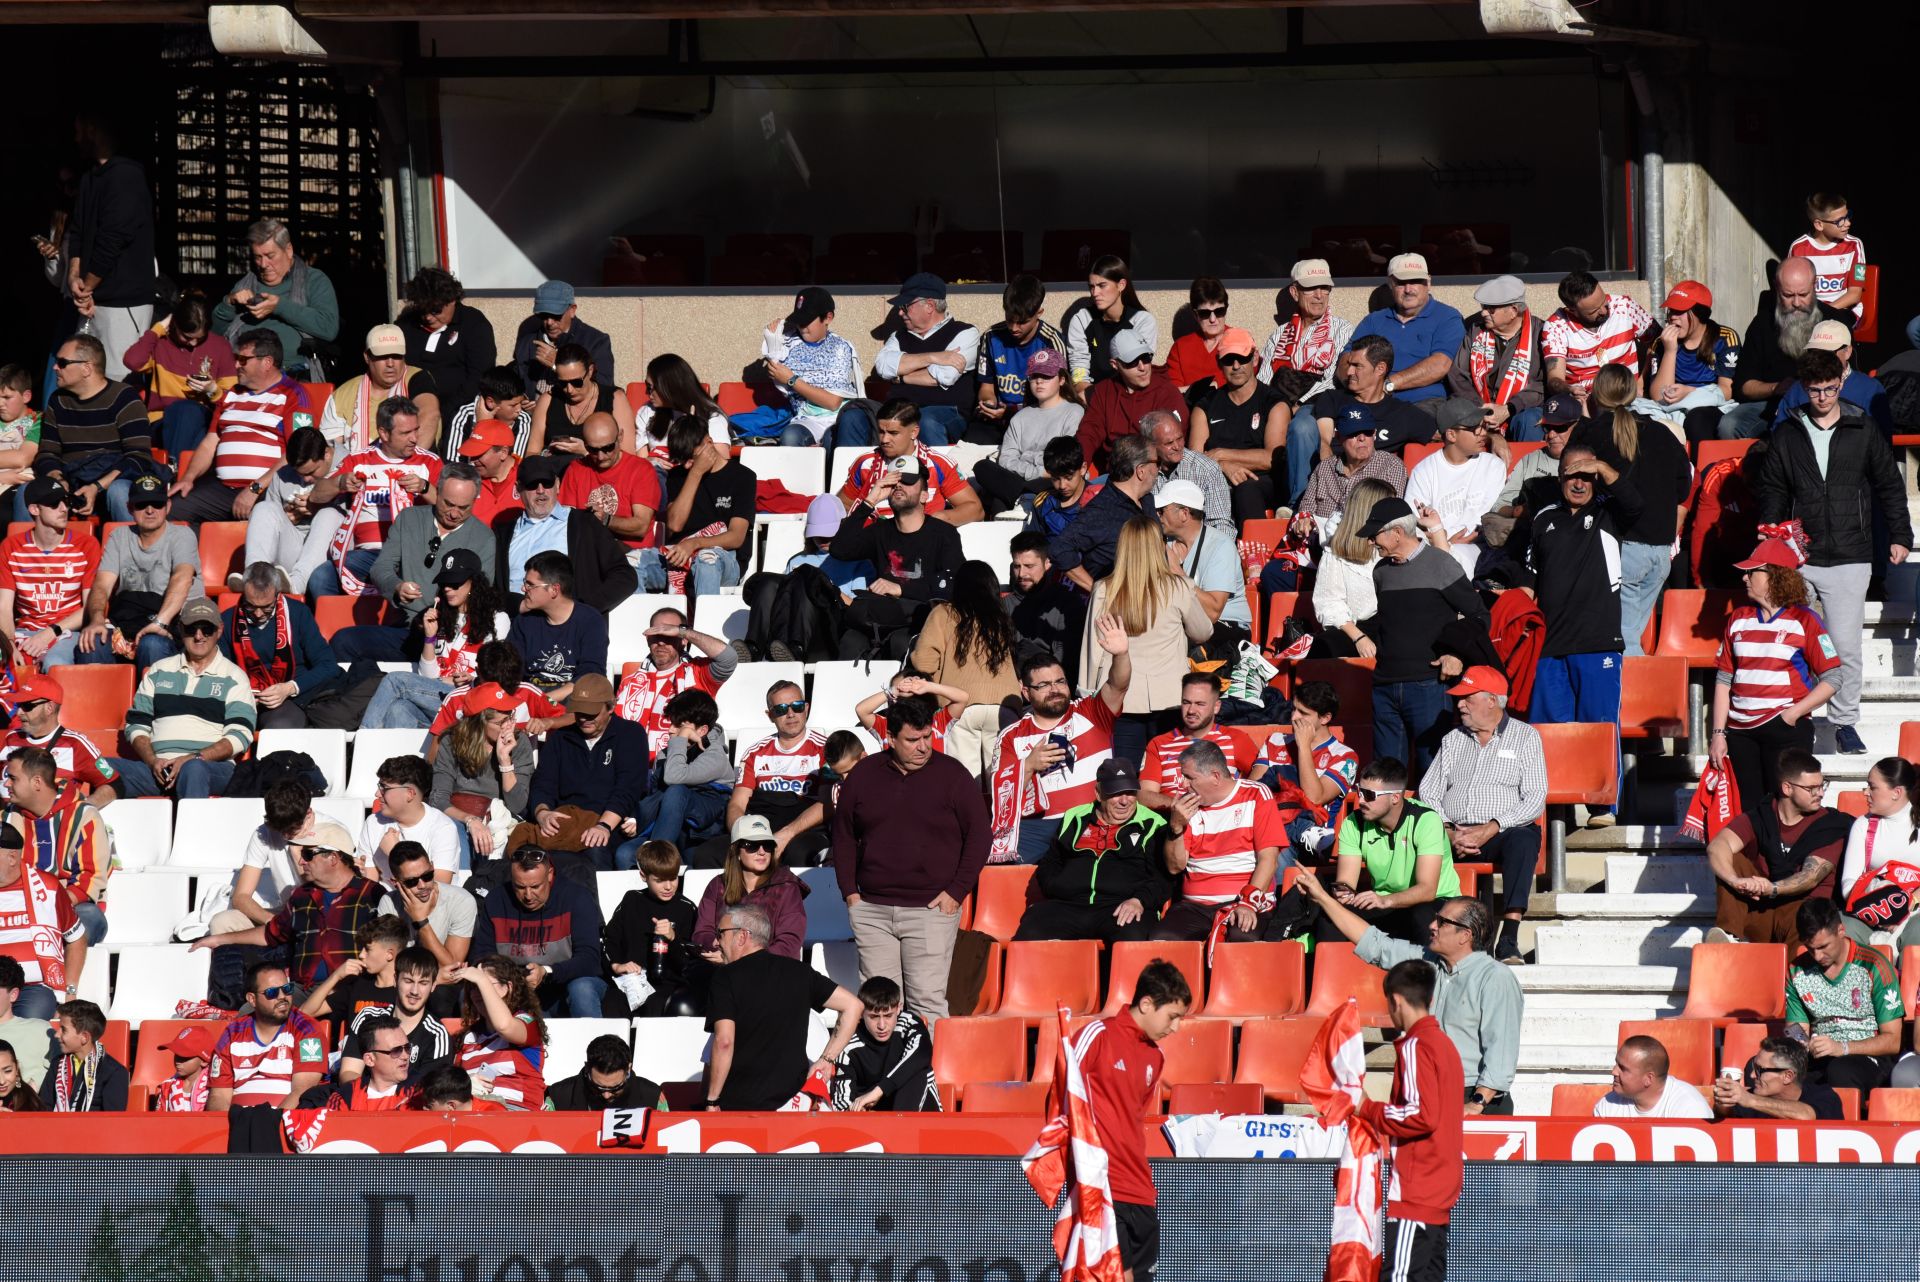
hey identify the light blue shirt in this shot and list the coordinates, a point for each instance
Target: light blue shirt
(1213, 564)
(532, 537)
(848, 576)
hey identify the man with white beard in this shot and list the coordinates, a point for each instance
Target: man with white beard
(1775, 341)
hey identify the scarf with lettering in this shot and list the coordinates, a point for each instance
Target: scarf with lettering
(71, 1095)
(399, 499)
(1012, 794)
(1884, 897)
(176, 1096)
(279, 666)
(1483, 349)
(1305, 347)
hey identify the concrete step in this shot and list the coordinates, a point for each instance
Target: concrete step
(1599, 1026)
(1632, 839)
(1632, 906)
(1660, 1002)
(1665, 875)
(1593, 1058)
(1549, 981)
(1604, 945)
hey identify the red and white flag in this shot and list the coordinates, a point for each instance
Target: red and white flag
(1333, 1075)
(1068, 1169)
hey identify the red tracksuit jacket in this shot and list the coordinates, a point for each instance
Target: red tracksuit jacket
(1423, 1124)
(1122, 1070)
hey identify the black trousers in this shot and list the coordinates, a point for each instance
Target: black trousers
(1516, 853)
(1862, 1073)
(1755, 757)
(1000, 488)
(1058, 919)
(1413, 1252)
(1252, 498)
(1410, 924)
(1190, 920)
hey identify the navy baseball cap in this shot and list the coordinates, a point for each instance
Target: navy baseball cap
(1561, 410)
(919, 285)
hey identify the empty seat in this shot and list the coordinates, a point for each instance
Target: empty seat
(1229, 1098)
(1653, 697)
(153, 979)
(94, 695)
(721, 616)
(144, 907)
(670, 1049)
(627, 626)
(349, 812)
(1130, 956)
(838, 960)
(1000, 899)
(567, 1042)
(1893, 1104)
(1200, 1050)
(328, 748)
(370, 748)
(1042, 974)
(844, 457)
(1272, 1052)
(1027, 1099)
(827, 920)
(1732, 982)
(694, 881)
(612, 887)
(973, 1048)
(142, 829)
(838, 685)
(802, 468)
(332, 613)
(223, 547)
(785, 540)
(1338, 975)
(1576, 1099)
(988, 541)
(1689, 1044)
(211, 833)
(1691, 623)
(1258, 980)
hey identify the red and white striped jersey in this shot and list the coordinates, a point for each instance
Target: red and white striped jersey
(943, 479)
(502, 1072)
(47, 585)
(1333, 759)
(262, 1072)
(789, 771)
(379, 476)
(1088, 729)
(252, 430)
(1161, 767)
(1836, 268)
(1565, 337)
(37, 922)
(1223, 840)
(942, 722)
(74, 755)
(1774, 662)
(643, 696)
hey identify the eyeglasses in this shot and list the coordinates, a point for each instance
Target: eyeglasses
(433, 552)
(1560, 428)
(571, 384)
(611, 447)
(728, 930)
(276, 992)
(1824, 392)
(1047, 685)
(1210, 313)
(1135, 363)
(400, 357)
(756, 847)
(614, 1089)
(1755, 1069)
(1815, 788)
(385, 787)
(252, 356)
(782, 709)
(410, 882)
(61, 362)
(1374, 794)
(202, 629)
(1840, 221)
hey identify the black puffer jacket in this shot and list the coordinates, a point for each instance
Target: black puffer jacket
(1133, 866)
(1837, 509)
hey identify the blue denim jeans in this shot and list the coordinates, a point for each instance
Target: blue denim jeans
(679, 813)
(1525, 426)
(1409, 718)
(183, 425)
(149, 650)
(939, 425)
(1303, 453)
(116, 501)
(1643, 576)
(794, 435)
(1036, 835)
(37, 1001)
(325, 581)
(197, 778)
(405, 701)
(372, 641)
(710, 570)
(582, 996)
(1746, 420)
(1579, 688)
(94, 920)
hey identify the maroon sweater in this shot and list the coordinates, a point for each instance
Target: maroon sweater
(900, 839)
(1114, 410)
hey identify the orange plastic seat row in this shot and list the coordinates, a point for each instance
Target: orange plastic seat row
(1732, 983)
(1250, 980)
(1689, 1044)
(1653, 696)
(1691, 623)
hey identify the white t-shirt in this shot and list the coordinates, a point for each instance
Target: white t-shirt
(1461, 494)
(1680, 1099)
(434, 831)
(267, 851)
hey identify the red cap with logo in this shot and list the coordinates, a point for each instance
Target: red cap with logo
(1686, 295)
(1479, 679)
(484, 437)
(491, 697)
(30, 688)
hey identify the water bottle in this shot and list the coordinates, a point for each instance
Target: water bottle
(87, 327)
(658, 961)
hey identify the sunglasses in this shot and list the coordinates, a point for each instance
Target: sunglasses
(30, 705)
(1210, 313)
(433, 552)
(543, 483)
(611, 447)
(1233, 359)
(410, 882)
(782, 709)
(401, 1049)
(1448, 921)
(530, 858)
(202, 629)
(61, 362)
(756, 847)
(277, 991)
(571, 384)
(1374, 794)
(1135, 363)
(614, 1089)
(148, 505)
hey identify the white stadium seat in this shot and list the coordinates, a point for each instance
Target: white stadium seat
(721, 616)
(797, 467)
(144, 907)
(785, 540)
(152, 980)
(844, 457)
(370, 748)
(670, 1049)
(211, 833)
(965, 454)
(743, 699)
(627, 628)
(328, 748)
(612, 887)
(348, 812)
(694, 882)
(987, 541)
(840, 684)
(142, 829)
(567, 1042)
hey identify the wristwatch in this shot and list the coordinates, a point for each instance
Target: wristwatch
(1388, 387)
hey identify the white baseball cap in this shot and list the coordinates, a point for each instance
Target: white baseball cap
(1185, 493)
(1408, 267)
(1312, 271)
(1829, 336)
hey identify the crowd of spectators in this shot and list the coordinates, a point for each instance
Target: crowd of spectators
(1429, 472)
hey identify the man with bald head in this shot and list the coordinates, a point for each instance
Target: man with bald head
(1775, 341)
(622, 490)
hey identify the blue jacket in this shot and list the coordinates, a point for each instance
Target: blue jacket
(314, 667)
(1095, 533)
(612, 775)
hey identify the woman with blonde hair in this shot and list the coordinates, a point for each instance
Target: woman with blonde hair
(484, 772)
(1343, 596)
(1162, 616)
(1651, 458)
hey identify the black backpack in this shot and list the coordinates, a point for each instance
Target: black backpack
(802, 609)
(253, 778)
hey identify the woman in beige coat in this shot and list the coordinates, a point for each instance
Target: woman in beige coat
(1162, 616)
(968, 642)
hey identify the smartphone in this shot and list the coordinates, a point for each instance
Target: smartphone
(1065, 745)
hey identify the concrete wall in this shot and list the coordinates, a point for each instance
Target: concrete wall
(719, 333)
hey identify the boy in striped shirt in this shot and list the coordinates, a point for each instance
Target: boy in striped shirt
(1839, 259)
(45, 570)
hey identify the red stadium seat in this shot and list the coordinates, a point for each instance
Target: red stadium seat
(1581, 766)
(1737, 983)
(1258, 981)
(223, 549)
(1894, 1104)
(1517, 450)
(1282, 606)
(1338, 975)
(1909, 977)
(735, 398)
(153, 1064)
(1689, 1044)
(979, 1049)
(1576, 1099)
(332, 613)
(1707, 453)
(1910, 740)
(1001, 898)
(1653, 697)
(1200, 1051)
(318, 394)
(1740, 1043)
(1867, 328)
(85, 524)
(1230, 1098)
(1131, 956)
(1691, 623)
(1027, 1099)
(637, 395)
(1851, 803)
(1352, 681)
(1849, 1097)
(1044, 973)
(989, 1000)
(97, 694)
(1413, 455)
(1272, 1052)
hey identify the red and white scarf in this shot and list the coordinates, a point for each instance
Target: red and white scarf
(1305, 347)
(1484, 348)
(1068, 1169)
(1716, 803)
(277, 668)
(399, 499)
(1333, 1078)
(69, 1095)
(176, 1096)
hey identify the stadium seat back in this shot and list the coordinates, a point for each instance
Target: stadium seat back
(989, 541)
(1653, 697)
(801, 468)
(567, 1042)
(1707, 453)
(1000, 899)
(1894, 1104)
(144, 907)
(1910, 740)
(785, 540)
(988, 1001)
(1024, 1099)
(370, 748)
(1200, 1050)
(637, 395)
(142, 829)
(97, 694)
(211, 833)
(223, 550)
(1849, 1097)
(611, 887)
(840, 684)
(1692, 621)
(670, 1049)
(1130, 957)
(627, 626)
(1576, 1099)
(1258, 980)
(152, 1062)
(1740, 1043)
(1041, 974)
(1582, 768)
(328, 748)
(153, 979)
(1352, 682)
(1745, 982)
(1272, 1052)
(977, 1048)
(333, 613)
(349, 812)
(1338, 975)
(1689, 1044)
(743, 699)
(1227, 1098)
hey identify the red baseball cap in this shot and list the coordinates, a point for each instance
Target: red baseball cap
(191, 1043)
(1770, 552)
(1479, 679)
(484, 437)
(1688, 294)
(27, 689)
(490, 698)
